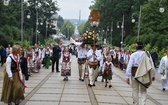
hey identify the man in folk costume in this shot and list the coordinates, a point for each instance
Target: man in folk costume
(141, 70)
(98, 72)
(81, 55)
(163, 70)
(93, 56)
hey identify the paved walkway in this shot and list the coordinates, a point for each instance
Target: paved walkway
(46, 88)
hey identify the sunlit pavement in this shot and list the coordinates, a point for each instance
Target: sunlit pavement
(46, 88)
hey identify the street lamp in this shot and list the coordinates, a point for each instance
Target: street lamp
(139, 21)
(37, 23)
(161, 9)
(122, 27)
(41, 21)
(28, 15)
(6, 2)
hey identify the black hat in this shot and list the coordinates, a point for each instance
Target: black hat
(140, 45)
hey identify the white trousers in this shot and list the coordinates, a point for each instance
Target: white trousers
(82, 70)
(136, 89)
(165, 82)
(92, 74)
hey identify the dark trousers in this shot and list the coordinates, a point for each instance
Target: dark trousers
(3, 60)
(55, 60)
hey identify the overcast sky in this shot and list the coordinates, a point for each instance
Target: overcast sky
(69, 9)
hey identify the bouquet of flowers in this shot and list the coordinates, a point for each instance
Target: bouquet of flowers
(90, 37)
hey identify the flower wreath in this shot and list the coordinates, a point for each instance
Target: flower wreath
(90, 37)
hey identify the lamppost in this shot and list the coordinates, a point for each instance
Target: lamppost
(38, 21)
(22, 16)
(139, 21)
(46, 28)
(161, 9)
(37, 18)
(22, 20)
(107, 32)
(111, 33)
(68, 28)
(122, 27)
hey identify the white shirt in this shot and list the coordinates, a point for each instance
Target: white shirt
(62, 55)
(163, 64)
(134, 61)
(8, 50)
(108, 63)
(126, 58)
(90, 55)
(82, 52)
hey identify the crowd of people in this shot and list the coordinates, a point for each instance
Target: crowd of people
(94, 60)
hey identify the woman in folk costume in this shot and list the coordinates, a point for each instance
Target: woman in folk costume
(29, 56)
(121, 59)
(47, 58)
(12, 85)
(37, 63)
(65, 60)
(107, 71)
(126, 58)
(163, 70)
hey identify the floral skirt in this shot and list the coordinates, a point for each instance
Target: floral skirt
(66, 69)
(107, 76)
(12, 90)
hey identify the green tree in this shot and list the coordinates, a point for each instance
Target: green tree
(67, 29)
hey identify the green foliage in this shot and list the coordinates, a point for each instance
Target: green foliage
(10, 20)
(67, 28)
(161, 53)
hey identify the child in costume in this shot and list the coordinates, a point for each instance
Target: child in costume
(66, 63)
(107, 71)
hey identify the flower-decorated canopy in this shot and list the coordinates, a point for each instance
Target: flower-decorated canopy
(90, 37)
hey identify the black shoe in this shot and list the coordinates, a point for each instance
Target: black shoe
(163, 89)
(102, 80)
(89, 85)
(105, 85)
(58, 71)
(64, 79)
(10, 103)
(82, 80)
(94, 85)
(110, 86)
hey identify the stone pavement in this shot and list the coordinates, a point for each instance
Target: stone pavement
(46, 88)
